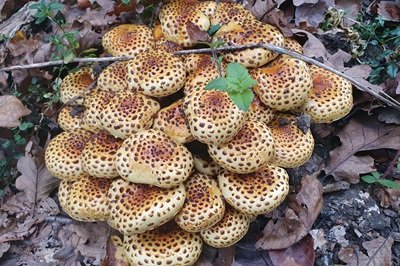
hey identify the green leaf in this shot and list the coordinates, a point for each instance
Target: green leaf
(392, 70)
(68, 57)
(35, 6)
(213, 29)
(56, 6)
(243, 99)
(389, 183)
(217, 84)
(217, 43)
(241, 74)
(376, 174)
(368, 179)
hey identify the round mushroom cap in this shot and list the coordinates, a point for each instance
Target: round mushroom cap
(70, 117)
(250, 32)
(284, 84)
(206, 165)
(163, 44)
(172, 121)
(128, 40)
(99, 154)
(95, 103)
(85, 199)
(114, 77)
(63, 154)
(227, 232)
(229, 12)
(259, 111)
(151, 157)
(249, 150)
(127, 113)
(293, 45)
(255, 193)
(74, 84)
(331, 96)
(204, 206)
(156, 73)
(137, 208)
(166, 245)
(213, 117)
(293, 147)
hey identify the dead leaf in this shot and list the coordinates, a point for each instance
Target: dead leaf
(388, 197)
(196, 34)
(302, 2)
(304, 208)
(4, 248)
(351, 8)
(261, 8)
(338, 59)
(311, 15)
(278, 18)
(313, 47)
(11, 109)
(115, 253)
(389, 10)
(389, 115)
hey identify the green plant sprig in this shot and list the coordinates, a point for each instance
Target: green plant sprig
(376, 177)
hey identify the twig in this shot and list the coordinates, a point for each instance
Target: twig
(59, 219)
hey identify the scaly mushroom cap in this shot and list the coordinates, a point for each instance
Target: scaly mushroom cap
(85, 199)
(292, 147)
(95, 103)
(151, 157)
(63, 154)
(213, 118)
(162, 43)
(249, 150)
(255, 193)
(204, 206)
(292, 44)
(99, 154)
(74, 84)
(113, 77)
(284, 84)
(330, 98)
(259, 111)
(178, 17)
(233, 226)
(70, 117)
(136, 208)
(206, 165)
(166, 245)
(156, 73)
(250, 32)
(128, 39)
(172, 121)
(229, 12)
(127, 113)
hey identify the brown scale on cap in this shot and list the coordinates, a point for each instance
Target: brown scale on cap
(95, 103)
(229, 12)
(259, 111)
(162, 43)
(127, 113)
(284, 84)
(172, 121)
(250, 149)
(292, 147)
(99, 154)
(63, 154)
(250, 32)
(331, 96)
(255, 193)
(85, 199)
(204, 206)
(166, 245)
(227, 232)
(74, 84)
(293, 45)
(156, 73)
(136, 208)
(177, 17)
(151, 157)
(213, 118)
(113, 77)
(128, 39)
(70, 117)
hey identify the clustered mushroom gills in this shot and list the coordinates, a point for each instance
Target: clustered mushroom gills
(171, 165)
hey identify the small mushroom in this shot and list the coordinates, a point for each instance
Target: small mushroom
(137, 208)
(226, 12)
(249, 150)
(70, 117)
(74, 84)
(204, 206)
(259, 111)
(166, 245)
(151, 157)
(95, 103)
(113, 77)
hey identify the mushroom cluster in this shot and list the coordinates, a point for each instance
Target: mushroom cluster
(171, 165)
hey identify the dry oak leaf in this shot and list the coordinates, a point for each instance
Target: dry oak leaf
(11, 109)
(261, 8)
(389, 10)
(303, 210)
(311, 15)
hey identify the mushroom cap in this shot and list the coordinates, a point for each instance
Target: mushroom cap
(95, 103)
(229, 12)
(85, 199)
(292, 44)
(284, 84)
(204, 206)
(292, 147)
(213, 118)
(113, 77)
(70, 117)
(255, 193)
(232, 227)
(259, 111)
(206, 165)
(163, 44)
(128, 40)
(74, 84)
(99, 154)
(156, 73)
(249, 150)
(136, 208)
(250, 32)
(166, 245)
(151, 157)
(63, 154)
(330, 98)
(127, 113)
(172, 121)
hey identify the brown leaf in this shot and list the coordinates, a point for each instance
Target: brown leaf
(360, 73)
(196, 34)
(11, 109)
(312, 15)
(304, 208)
(351, 8)
(115, 253)
(338, 59)
(313, 47)
(302, 2)
(261, 8)
(389, 115)
(389, 10)
(4, 248)
(388, 197)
